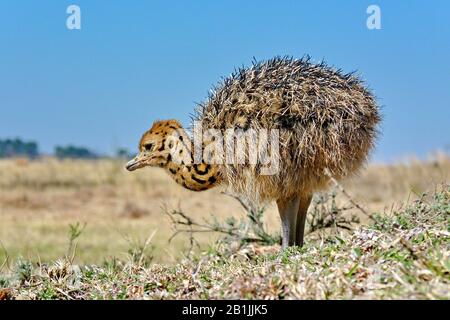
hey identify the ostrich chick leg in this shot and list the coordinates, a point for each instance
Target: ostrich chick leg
(305, 200)
(288, 210)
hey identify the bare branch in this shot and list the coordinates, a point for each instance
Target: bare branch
(341, 188)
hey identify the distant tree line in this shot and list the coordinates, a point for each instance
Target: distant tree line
(124, 154)
(30, 149)
(73, 152)
(18, 148)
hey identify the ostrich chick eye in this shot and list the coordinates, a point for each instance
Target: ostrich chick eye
(148, 146)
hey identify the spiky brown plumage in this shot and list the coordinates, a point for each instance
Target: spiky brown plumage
(327, 119)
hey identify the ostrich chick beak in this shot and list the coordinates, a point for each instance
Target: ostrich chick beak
(134, 164)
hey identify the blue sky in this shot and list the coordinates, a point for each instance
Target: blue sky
(136, 61)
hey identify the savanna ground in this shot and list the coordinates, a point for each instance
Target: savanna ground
(89, 229)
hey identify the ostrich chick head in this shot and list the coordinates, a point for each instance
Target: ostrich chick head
(157, 145)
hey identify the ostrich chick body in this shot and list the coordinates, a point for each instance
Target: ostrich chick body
(325, 121)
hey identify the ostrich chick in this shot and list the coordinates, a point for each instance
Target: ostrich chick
(326, 121)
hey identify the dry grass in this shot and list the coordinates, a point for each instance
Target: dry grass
(40, 199)
(402, 255)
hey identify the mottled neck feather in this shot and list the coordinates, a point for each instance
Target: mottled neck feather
(195, 177)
